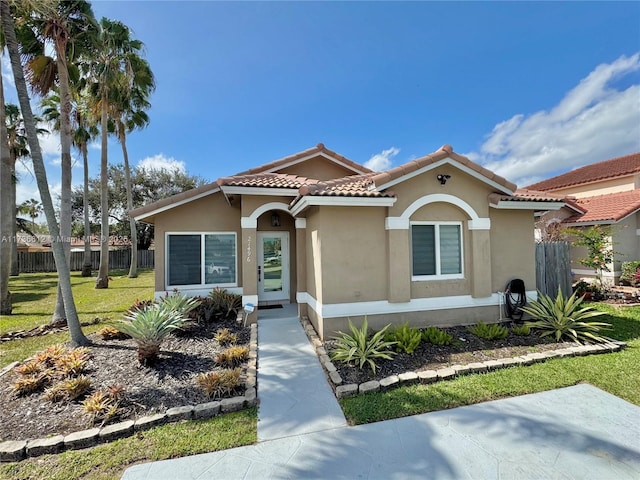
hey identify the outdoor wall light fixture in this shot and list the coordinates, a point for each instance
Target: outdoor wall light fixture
(275, 220)
(443, 178)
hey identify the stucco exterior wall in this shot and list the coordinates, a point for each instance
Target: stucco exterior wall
(512, 248)
(615, 185)
(208, 214)
(318, 168)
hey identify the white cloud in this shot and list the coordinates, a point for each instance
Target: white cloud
(593, 122)
(160, 162)
(383, 160)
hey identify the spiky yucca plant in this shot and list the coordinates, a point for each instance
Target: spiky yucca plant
(149, 327)
(180, 303)
(564, 319)
(361, 348)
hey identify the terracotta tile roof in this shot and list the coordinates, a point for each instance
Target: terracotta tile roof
(352, 186)
(611, 207)
(446, 151)
(616, 167)
(319, 148)
(266, 180)
(525, 195)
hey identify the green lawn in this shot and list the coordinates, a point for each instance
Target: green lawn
(616, 373)
(34, 296)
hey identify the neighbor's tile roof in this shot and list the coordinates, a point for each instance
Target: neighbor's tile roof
(266, 180)
(319, 148)
(446, 151)
(616, 167)
(525, 195)
(611, 207)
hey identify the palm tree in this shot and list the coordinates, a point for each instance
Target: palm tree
(75, 330)
(7, 218)
(117, 69)
(129, 114)
(68, 26)
(32, 208)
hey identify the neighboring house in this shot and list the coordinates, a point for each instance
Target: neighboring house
(115, 243)
(33, 243)
(431, 242)
(604, 193)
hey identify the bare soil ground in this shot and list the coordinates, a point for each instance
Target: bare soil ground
(171, 382)
(466, 348)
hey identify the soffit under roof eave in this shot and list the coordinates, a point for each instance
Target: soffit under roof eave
(337, 201)
(525, 205)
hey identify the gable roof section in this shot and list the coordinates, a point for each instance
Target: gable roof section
(444, 154)
(614, 168)
(609, 208)
(148, 211)
(318, 150)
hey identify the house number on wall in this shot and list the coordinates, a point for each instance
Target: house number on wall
(248, 249)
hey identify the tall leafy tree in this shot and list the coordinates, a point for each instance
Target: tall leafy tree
(32, 208)
(75, 330)
(70, 28)
(116, 73)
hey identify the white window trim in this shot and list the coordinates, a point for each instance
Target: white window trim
(439, 276)
(202, 262)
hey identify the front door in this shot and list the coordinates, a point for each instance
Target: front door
(273, 267)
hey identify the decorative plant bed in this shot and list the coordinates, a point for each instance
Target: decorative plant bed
(32, 425)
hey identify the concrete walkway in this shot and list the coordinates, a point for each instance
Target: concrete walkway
(295, 397)
(577, 433)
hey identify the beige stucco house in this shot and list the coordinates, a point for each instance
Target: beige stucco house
(431, 242)
(604, 193)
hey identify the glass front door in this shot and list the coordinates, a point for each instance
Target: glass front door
(273, 266)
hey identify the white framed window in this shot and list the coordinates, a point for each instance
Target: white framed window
(205, 258)
(436, 251)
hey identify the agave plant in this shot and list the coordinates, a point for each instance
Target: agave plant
(149, 327)
(564, 318)
(180, 303)
(361, 348)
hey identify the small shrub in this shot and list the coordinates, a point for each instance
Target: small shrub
(629, 272)
(563, 319)
(225, 337)
(27, 385)
(233, 356)
(492, 331)
(69, 389)
(358, 347)
(180, 303)
(407, 339)
(50, 355)
(72, 362)
(102, 406)
(32, 367)
(226, 302)
(521, 330)
(112, 333)
(148, 328)
(436, 336)
(219, 383)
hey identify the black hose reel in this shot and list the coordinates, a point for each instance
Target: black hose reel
(515, 297)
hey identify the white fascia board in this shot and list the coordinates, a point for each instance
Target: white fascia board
(195, 291)
(589, 224)
(309, 157)
(273, 192)
(384, 307)
(516, 205)
(453, 163)
(141, 217)
(341, 202)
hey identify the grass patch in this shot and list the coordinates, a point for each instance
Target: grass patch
(616, 373)
(34, 296)
(109, 461)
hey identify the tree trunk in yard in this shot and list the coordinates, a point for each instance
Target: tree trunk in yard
(7, 208)
(133, 268)
(64, 277)
(103, 273)
(86, 264)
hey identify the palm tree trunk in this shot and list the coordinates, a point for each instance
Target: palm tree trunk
(7, 219)
(87, 263)
(75, 330)
(133, 268)
(15, 268)
(103, 272)
(59, 316)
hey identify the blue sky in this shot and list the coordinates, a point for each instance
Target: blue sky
(528, 90)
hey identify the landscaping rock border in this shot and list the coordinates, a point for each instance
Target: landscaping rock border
(16, 450)
(430, 376)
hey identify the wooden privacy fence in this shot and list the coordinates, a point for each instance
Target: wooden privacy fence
(553, 268)
(31, 262)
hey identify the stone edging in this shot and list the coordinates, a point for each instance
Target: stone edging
(431, 376)
(16, 450)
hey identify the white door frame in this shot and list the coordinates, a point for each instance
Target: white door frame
(284, 294)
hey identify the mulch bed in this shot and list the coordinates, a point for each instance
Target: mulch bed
(170, 383)
(466, 348)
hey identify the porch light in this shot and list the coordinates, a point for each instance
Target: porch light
(443, 178)
(275, 220)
